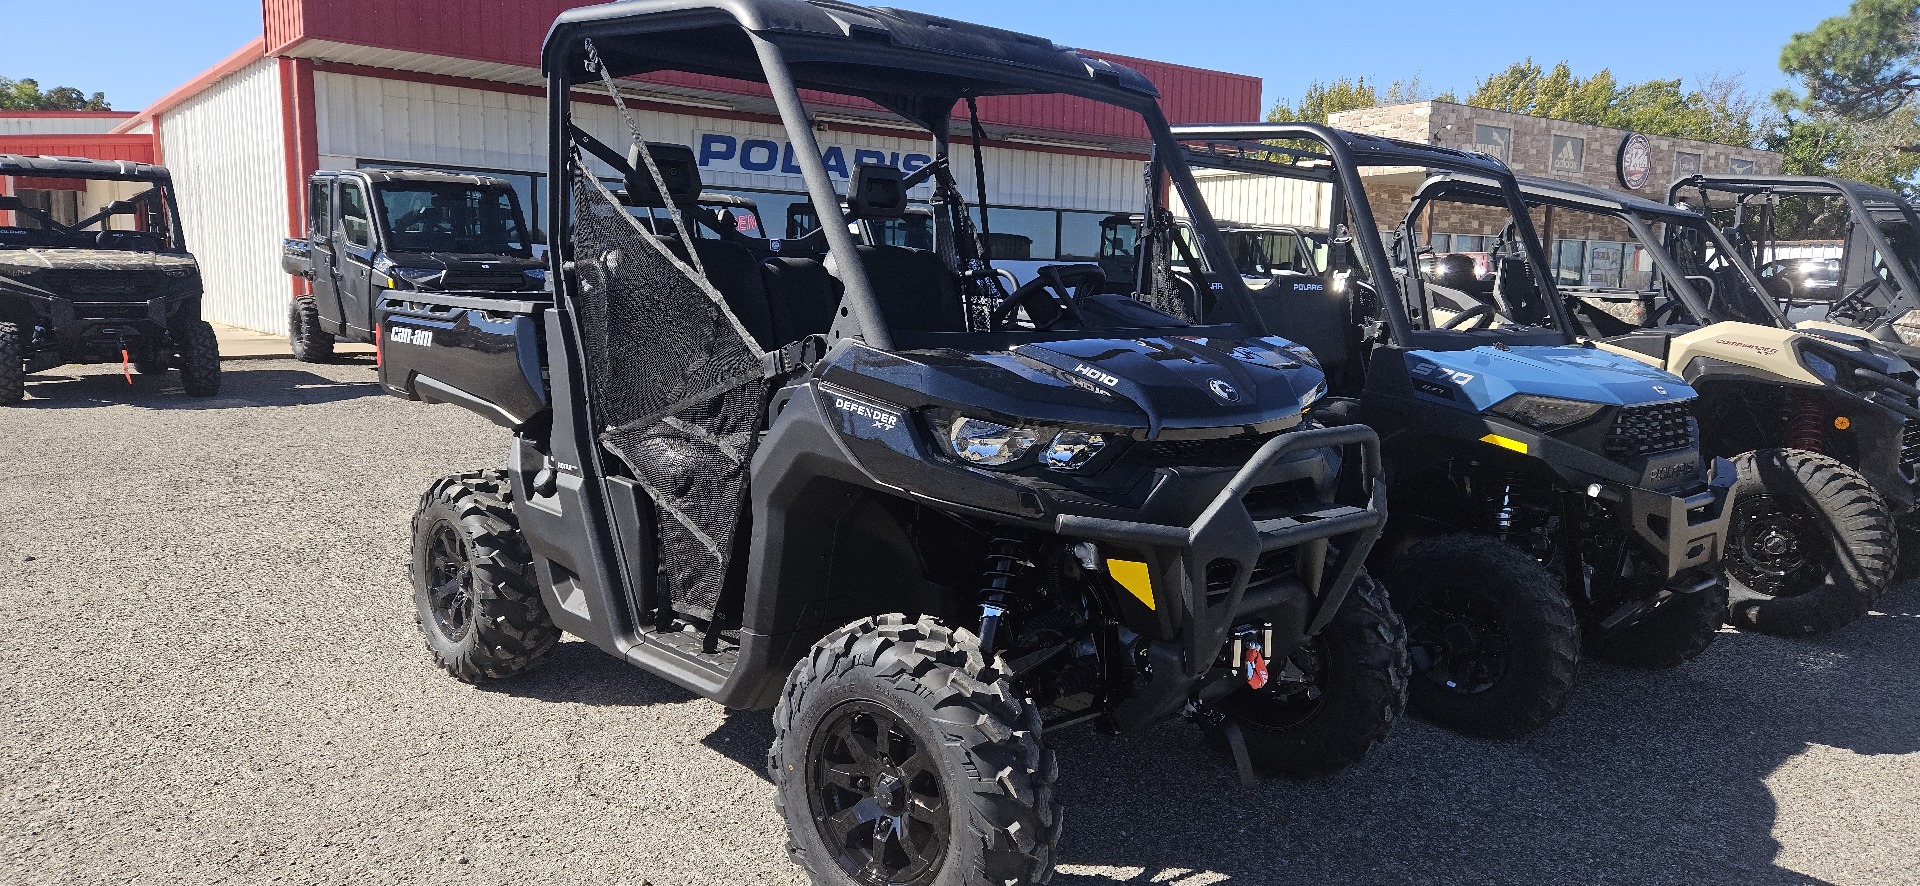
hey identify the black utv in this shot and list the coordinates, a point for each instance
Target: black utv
(1549, 497)
(112, 283)
(374, 231)
(925, 520)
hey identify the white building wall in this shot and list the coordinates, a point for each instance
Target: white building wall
(58, 125)
(1254, 199)
(227, 151)
(363, 118)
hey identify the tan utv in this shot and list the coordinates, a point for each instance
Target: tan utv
(1821, 423)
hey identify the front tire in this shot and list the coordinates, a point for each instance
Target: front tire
(13, 364)
(902, 755)
(1493, 640)
(1811, 545)
(199, 360)
(474, 594)
(1350, 686)
(311, 344)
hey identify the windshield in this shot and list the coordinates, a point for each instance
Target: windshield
(111, 214)
(452, 217)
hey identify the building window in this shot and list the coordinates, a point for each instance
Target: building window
(1080, 235)
(1685, 165)
(1603, 266)
(1496, 141)
(1569, 154)
(1569, 261)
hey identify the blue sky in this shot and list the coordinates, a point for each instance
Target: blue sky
(1289, 44)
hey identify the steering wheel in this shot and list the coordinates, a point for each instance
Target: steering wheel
(1854, 305)
(1483, 313)
(1062, 287)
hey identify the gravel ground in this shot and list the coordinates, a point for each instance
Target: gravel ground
(211, 675)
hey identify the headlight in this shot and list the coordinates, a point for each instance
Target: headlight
(1313, 396)
(412, 278)
(1546, 413)
(987, 444)
(990, 444)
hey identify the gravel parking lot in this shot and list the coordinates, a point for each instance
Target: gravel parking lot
(210, 674)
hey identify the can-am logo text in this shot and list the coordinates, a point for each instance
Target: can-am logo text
(405, 336)
(1096, 375)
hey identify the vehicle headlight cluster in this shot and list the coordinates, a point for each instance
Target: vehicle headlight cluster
(989, 444)
(1546, 413)
(412, 278)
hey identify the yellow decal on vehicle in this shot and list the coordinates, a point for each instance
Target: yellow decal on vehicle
(1505, 443)
(1841, 423)
(1134, 577)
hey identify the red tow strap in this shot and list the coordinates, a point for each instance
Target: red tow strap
(126, 365)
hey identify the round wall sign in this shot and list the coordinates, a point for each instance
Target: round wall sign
(1636, 161)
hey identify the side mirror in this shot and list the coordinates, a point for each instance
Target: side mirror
(1340, 257)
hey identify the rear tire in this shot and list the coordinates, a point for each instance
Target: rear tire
(1811, 545)
(13, 364)
(1674, 633)
(311, 344)
(199, 361)
(891, 724)
(1356, 687)
(1493, 640)
(474, 594)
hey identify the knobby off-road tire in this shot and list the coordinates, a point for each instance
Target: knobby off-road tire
(13, 364)
(1359, 670)
(1811, 545)
(888, 714)
(1494, 642)
(199, 359)
(1674, 633)
(474, 593)
(311, 344)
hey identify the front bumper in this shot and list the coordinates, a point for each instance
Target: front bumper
(1680, 532)
(1205, 577)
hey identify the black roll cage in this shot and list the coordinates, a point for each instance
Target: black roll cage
(108, 171)
(1235, 147)
(1856, 194)
(1637, 213)
(916, 66)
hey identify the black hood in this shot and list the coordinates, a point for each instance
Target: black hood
(1153, 388)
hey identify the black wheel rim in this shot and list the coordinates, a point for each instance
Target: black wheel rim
(879, 798)
(1778, 549)
(449, 583)
(1458, 641)
(1296, 690)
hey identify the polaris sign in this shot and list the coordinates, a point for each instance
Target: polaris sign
(730, 153)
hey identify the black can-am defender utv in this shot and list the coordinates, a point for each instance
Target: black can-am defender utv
(1822, 422)
(114, 284)
(1544, 491)
(926, 520)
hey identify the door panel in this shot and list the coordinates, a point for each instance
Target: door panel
(326, 290)
(354, 246)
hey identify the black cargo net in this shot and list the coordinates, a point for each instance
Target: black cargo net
(677, 385)
(1165, 292)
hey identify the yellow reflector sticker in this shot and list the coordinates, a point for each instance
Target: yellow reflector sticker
(1505, 443)
(1841, 423)
(1134, 577)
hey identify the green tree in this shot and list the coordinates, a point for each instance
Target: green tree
(1720, 110)
(25, 95)
(1861, 64)
(1325, 99)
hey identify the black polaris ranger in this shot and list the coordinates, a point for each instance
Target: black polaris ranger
(115, 284)
(1547, 494)
(370, 231)
(926, 520)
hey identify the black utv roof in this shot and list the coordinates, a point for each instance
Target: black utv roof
(1235, 145)
(1786, 184)
(81, 168)
(892, 57)
(1552, 192)
(385, 176)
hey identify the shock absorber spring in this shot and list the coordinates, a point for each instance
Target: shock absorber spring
(1806, 423)
(1006, 567)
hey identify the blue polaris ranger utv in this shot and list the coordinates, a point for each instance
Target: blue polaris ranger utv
(1547, 495)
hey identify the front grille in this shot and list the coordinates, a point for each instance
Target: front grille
(1910, 445)
(105, 285)
(1644, 430)
(1208, 450)
(485, 282)
(110, 311)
